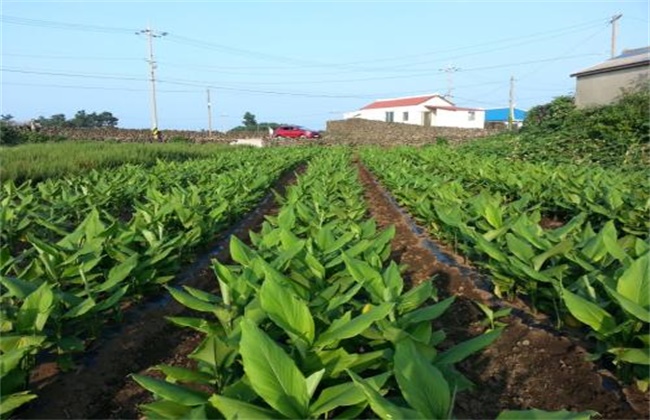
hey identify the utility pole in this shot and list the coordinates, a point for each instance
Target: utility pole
(511, 111)
(150, 33)
(450, 70)
(209, 114)
(614, 23)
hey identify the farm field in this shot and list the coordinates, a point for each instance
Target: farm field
(325, 282)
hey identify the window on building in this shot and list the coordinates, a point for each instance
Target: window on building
(390, 116)
(471, 115)
(405, 116)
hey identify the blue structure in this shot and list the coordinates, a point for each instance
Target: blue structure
(501, 115)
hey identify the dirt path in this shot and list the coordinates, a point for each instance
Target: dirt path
(100, 387)
(530, 365)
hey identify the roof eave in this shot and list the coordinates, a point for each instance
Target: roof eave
(611, 69)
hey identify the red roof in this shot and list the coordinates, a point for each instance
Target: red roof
(391, 103)
(453, 108)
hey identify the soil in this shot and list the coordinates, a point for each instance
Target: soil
(530, 365)
(99, 386)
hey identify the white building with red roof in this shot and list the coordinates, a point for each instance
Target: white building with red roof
(428, 110)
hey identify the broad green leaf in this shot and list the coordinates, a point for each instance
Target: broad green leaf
(535, 414)
(118, 273)
(393, 279)
(343, 328)
(17, 287)
(519, 248)
(490, 249)
(12, 342)
(112, 300)
(171, 392)
(83, 308)
(421, 383)
(466, 348)
(176, 373)
(344, 395)
(362, 272)
(191, 301)
(493, 215)
(36, 308)
(13, 401)
(632, 355)
(415, 297)
(630, 306)
(286, 309)
(11, 359)
(381, 406)
(240, 252)
(313, 381)
(273, 374)
(165, 410)
(634, 284)
(589, 313)
(427, 313)
(235, 409)
(559, 249)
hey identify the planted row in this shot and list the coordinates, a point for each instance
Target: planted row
(595, 276)
(57, 293)
(314, 321)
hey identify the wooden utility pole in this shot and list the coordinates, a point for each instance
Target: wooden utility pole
(614, 23)
(511, 111)
(209, 114)
(150, 33)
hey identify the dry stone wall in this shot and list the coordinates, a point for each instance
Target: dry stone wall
(365, 132)
(355, 132)
(144, 135)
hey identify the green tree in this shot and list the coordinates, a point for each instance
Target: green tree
(249, 121)
(6, 118)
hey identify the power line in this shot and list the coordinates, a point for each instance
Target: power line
(61, 25)
(71, 57)
(83, 87)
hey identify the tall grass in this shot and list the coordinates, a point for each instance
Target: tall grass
(52, 160)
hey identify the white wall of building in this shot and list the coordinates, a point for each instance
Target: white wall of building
(459, 118)
(416, 115)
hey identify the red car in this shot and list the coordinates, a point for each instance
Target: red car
(295, 132)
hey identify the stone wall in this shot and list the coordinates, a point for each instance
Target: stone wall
(144, 135)
(357, 131)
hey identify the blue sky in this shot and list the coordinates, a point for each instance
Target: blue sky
(297, 62)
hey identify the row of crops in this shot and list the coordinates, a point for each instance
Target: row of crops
(591, 268)
(313, 320)
(54, 160)
(74, 250)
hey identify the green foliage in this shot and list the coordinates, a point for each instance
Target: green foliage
(80, 120)
(615, 135)
(313, 320)
(38, 162)
(10, 135)
(73, 249)
(249, 120)
(551, 116)
(593, 267)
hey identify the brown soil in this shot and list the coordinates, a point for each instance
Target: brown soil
(99, 387)
(530, 365)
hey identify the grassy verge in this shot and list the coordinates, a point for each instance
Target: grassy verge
(51, 160)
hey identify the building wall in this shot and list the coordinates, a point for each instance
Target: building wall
(379, 114)
(449, 118)
(442, 118)
(605, 88)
